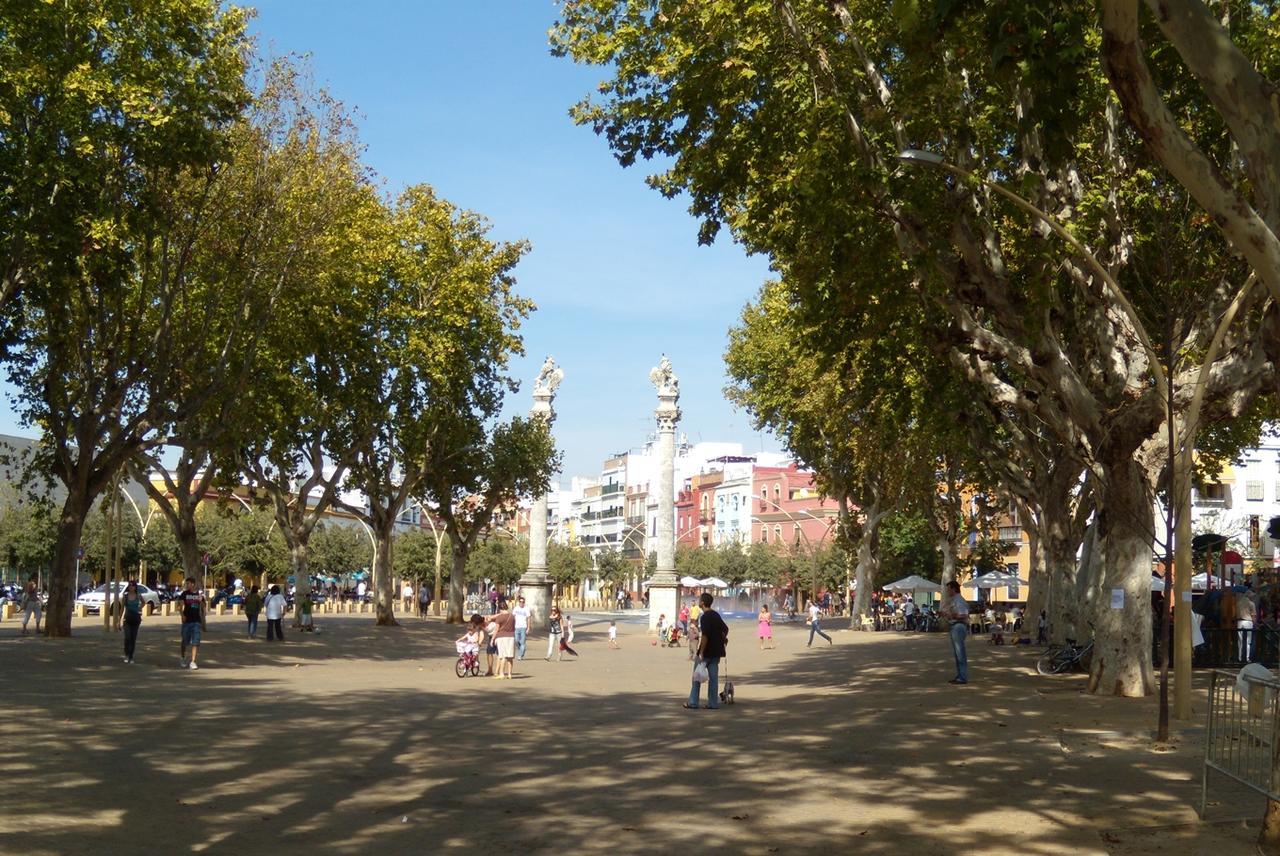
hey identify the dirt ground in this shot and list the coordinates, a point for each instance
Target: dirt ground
(362, 740)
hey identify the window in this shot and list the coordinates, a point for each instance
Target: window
(1253, 491)
(1255, 532)
(777, 493)
(777, 532)
(764, 534)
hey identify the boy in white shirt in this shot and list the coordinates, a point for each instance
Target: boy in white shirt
(613, 634)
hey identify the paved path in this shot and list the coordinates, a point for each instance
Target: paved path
(361, 740)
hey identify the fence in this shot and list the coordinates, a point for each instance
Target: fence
(1226, 647)
(1240, 732)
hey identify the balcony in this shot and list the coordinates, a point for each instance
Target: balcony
(1210, 501)
(611, 488)
(1010, 534)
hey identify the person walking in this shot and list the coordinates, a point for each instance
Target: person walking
(566, 641)
(132, 604)
(764, 626)
(713, 642)
(522, 614)
(505, 637)
(192, 610)
(424, 600)
(30, 605)
(956, 611)
(252, 609)
(555, 631)
(274, 607)
(613, 634)
(815, 615)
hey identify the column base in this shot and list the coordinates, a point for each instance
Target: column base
(537, 597)
(664, 599)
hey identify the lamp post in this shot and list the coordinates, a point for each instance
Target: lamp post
(1182, 444)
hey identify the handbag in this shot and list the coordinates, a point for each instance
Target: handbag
(700, 673)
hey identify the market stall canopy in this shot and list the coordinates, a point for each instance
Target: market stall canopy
(690, 582)
(915, 582)
(713, 582)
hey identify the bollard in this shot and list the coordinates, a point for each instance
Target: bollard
(82, 611)
(10, 610)
(222, 609)
(235, 609)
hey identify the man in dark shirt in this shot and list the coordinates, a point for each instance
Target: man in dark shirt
(713, 637)
(192, 611)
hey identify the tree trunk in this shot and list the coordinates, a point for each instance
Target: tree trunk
(1122, 617)
(1065, 603)
(189, 547)
(299, 559)
(457, 584)
(948, 550)
(1038, 576)
(384, 596)
(62, 582)
(868, 562)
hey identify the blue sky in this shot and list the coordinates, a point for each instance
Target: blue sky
(466, 97)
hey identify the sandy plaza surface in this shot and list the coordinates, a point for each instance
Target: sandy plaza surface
(360, 739)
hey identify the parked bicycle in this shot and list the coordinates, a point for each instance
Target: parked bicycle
(1070, 657)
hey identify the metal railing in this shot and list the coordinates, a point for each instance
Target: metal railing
(1240, 732)
(1228, 646)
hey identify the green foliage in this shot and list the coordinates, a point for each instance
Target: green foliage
(498, 559)
(568, 565)
(612, 568)
(337, 549)
(241, 542)
(415, 556)
(100, 104)
(28, 534)
(907, 546)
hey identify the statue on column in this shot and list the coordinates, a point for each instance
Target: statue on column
(664, 379)
(549, 377)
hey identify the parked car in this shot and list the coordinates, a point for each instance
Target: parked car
(92, 600)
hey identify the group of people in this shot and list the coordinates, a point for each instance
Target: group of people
(505, 636)
(193, 618)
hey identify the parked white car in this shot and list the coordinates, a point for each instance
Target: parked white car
(92, 600)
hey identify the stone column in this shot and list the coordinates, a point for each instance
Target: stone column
(664, 586)
(535, 585)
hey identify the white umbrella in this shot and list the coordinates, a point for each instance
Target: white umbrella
(1200, 582)
(995, 579)
(713, 582)
(915, 582)
(690, 582)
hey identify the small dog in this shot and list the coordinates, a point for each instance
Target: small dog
(726, 695)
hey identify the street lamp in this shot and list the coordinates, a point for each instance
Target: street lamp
(1182, 447)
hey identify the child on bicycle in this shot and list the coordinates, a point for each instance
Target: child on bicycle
(469, 642)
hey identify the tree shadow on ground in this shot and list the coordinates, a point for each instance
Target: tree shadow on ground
(334, 744)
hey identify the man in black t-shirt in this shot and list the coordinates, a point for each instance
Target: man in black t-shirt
(191, 607)
(713, 638)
